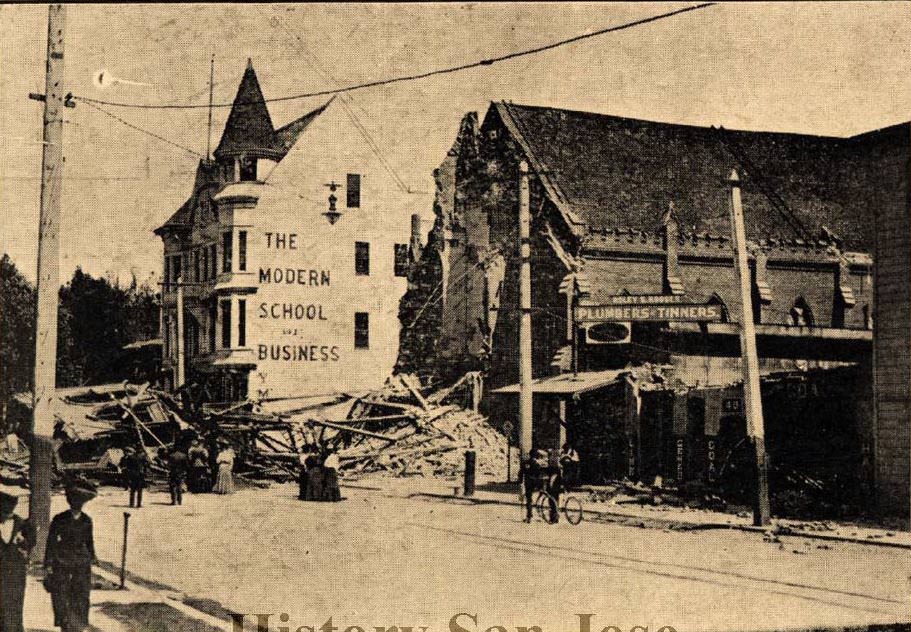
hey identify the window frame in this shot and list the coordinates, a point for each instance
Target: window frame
(227, 250)
(241, 251)
(401, 260)
(362, 258)
(225, 305)
(353, 188)
(362, 330)
(242, 323)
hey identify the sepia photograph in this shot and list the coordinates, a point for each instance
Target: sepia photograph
(455, 317)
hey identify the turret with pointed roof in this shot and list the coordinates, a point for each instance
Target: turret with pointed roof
(249, 128)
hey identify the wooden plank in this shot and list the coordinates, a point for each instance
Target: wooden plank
(329, 424)
(406, 381)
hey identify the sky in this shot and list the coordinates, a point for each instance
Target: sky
(819, 68)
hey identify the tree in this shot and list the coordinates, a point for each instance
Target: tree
(17, 330)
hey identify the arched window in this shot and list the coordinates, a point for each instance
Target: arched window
(717, 300)
(801, 314)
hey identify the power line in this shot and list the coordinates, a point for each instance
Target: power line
(413, 77)
(139, 129)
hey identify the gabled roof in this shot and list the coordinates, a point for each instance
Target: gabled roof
(607, 172)
(207, 180)
(286, 136)
(249, 127)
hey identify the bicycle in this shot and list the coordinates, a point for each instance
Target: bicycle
(571, 507)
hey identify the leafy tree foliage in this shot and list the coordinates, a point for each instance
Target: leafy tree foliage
(96, 318)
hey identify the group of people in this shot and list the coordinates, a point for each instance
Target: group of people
(318, 478)
(541, 473)
(68, 561)
(189, 467)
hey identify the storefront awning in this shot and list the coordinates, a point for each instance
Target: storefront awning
(569, 384)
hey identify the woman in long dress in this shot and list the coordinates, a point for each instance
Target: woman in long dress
(17, 537)
(225, 483)
(68, 560)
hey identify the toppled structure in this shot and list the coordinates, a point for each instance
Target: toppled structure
(396, 430)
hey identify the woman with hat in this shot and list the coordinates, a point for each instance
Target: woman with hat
(225, 482)
(68, 560)
(17, 537)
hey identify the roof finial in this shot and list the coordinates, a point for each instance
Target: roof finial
(249, 63)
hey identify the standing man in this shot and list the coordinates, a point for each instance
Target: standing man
(530, 479)
(177, 474)
(17, 538)
(135, 467)
(68, 560)
(569, 463)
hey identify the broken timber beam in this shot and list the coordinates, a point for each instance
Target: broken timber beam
(373, 435)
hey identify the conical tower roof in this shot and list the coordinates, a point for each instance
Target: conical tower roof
(249, 128)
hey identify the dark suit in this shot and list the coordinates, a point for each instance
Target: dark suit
(13, 568)
(135, 467)
(69, 556)
(178, 463)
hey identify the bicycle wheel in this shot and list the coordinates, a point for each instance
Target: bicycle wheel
(572, 509)
(542, 502)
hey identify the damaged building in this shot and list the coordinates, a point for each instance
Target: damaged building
(627, 211)
(289, 257)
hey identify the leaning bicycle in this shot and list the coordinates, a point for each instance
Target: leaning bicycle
(571, 507)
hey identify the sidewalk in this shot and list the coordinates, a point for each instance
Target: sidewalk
(643, 516)
(113, 610)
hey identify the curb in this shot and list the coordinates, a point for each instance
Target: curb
(655, 522)
(156, 596)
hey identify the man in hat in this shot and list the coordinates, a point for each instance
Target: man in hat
(135, 466)
(68, 559)
(178, 462)
(531, 479)
(17, 537)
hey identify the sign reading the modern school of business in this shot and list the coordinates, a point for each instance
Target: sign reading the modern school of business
(650, 307)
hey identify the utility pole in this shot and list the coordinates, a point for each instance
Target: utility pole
(181, 352)
(48, 285)
(525, 392)
(750, 358)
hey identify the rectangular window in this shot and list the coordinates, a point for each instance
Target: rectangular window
(213, 319)
(196, 265)
(167, 274)
(361, 258)
(247, 169)
(361, 330)
(175, 268)
(226, 239)
(213, 256)
(242, 251)
(401, 260)
(204, 255)
(241, 323)
(167, 336)
(226, 324)
(353, 190)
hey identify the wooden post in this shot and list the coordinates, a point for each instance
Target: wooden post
(123, 556)
(525, 364)
(48, 284)
(751, 392)
(470, 460)
(181, 351)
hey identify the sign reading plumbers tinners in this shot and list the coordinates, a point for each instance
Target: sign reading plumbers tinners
(647, 308)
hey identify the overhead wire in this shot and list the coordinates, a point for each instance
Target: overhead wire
(415, 76)
(140, 129)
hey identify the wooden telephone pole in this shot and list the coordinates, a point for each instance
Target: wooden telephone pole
(750, 357)
(48, 284)
(526, 397)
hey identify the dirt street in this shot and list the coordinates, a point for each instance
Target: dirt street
(372, 560)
